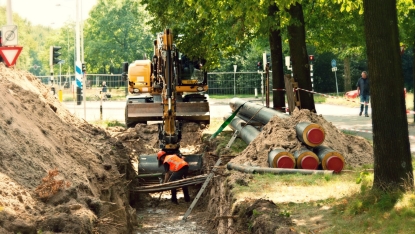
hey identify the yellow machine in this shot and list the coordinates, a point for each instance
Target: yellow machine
(149, 81)
(169, 88)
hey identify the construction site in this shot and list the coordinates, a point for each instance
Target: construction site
(61, 174)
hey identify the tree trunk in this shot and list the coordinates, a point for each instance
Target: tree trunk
(299, 56)
(275, 43)
(393, 165)
(347, 75)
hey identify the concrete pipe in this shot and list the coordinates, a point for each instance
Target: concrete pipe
(260, 113)
(263, 170)
(246, 132)
(329, 158)
(279, 158)
(310, 134)
(306, 159)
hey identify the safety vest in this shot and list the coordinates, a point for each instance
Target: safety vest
(175, 162)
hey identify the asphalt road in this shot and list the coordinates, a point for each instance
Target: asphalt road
(344, 118)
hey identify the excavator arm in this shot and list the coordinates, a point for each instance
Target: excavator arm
(170, 129)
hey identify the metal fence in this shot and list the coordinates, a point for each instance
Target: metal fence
(220, 83)
(236, 83)
(92, 81)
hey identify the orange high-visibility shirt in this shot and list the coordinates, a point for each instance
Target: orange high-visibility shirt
(175, 162)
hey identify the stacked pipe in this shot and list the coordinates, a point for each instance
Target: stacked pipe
(310, 134)
(278, 158)
(330, 159)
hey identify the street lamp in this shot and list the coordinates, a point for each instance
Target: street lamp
(234, 79)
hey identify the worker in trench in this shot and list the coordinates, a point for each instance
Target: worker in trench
(176, 169)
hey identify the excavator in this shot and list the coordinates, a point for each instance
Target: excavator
(169, 88)
(148, 78)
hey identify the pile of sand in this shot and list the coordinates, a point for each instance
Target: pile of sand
(38, 135)
(280, 132)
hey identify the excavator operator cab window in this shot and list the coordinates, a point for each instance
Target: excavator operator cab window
(187, 68)
(191, 71)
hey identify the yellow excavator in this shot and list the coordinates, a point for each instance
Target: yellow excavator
(170, 88)
(148, 78)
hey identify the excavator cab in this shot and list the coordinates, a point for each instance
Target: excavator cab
(145, 84)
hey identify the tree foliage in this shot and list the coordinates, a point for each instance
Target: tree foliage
(116, 32)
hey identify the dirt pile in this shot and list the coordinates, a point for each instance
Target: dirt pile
(280, 132)
(87, 191)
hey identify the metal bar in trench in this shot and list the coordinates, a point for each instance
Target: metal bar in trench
(211, 174)
(170, 185)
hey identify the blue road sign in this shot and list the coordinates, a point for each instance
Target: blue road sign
(333, 63)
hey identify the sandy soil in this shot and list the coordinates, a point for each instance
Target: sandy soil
(86, 190)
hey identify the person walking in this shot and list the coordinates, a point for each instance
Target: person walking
(176, 168)
(104, 90)
(364, 93)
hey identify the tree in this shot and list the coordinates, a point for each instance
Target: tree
(116, 32)
(393, 166)
(332, 27)
(299, 56)
(275, 44)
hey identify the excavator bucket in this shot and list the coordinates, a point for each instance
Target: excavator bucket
(193, 111)
(140, 111)
(148, 164)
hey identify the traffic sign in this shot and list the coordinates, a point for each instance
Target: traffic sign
(10, 54)
(333, 63)
(9, 35)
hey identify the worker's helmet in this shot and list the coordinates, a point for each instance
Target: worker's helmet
(160, 153)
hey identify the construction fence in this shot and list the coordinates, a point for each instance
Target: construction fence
(220, 83)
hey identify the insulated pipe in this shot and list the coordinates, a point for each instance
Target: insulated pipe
(246, 132)
(263, 170)
(310, 134)
(329, 158)
(279, 158)
(262, 113)
(306, 159)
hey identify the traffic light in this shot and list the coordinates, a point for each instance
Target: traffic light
(311, 57)
(83, 67)
(54, 55)
(258, 66)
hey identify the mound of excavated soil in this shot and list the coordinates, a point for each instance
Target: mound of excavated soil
(280, 132)
(85, 192)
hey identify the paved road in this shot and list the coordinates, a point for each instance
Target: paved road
(344, 118)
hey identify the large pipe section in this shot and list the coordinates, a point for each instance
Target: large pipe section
(263, 170)
(310, 134)
(280, 158)
(277, 158)
(329, 158)
(246, 132)
(306, 159)
(260, 113)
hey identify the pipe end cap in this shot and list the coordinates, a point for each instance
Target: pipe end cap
(285, 162)
(335, 164)
(315, 136)
(309, 162)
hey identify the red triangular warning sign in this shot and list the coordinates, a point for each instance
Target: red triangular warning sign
(10, 54)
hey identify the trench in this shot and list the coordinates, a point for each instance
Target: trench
(157, 214)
